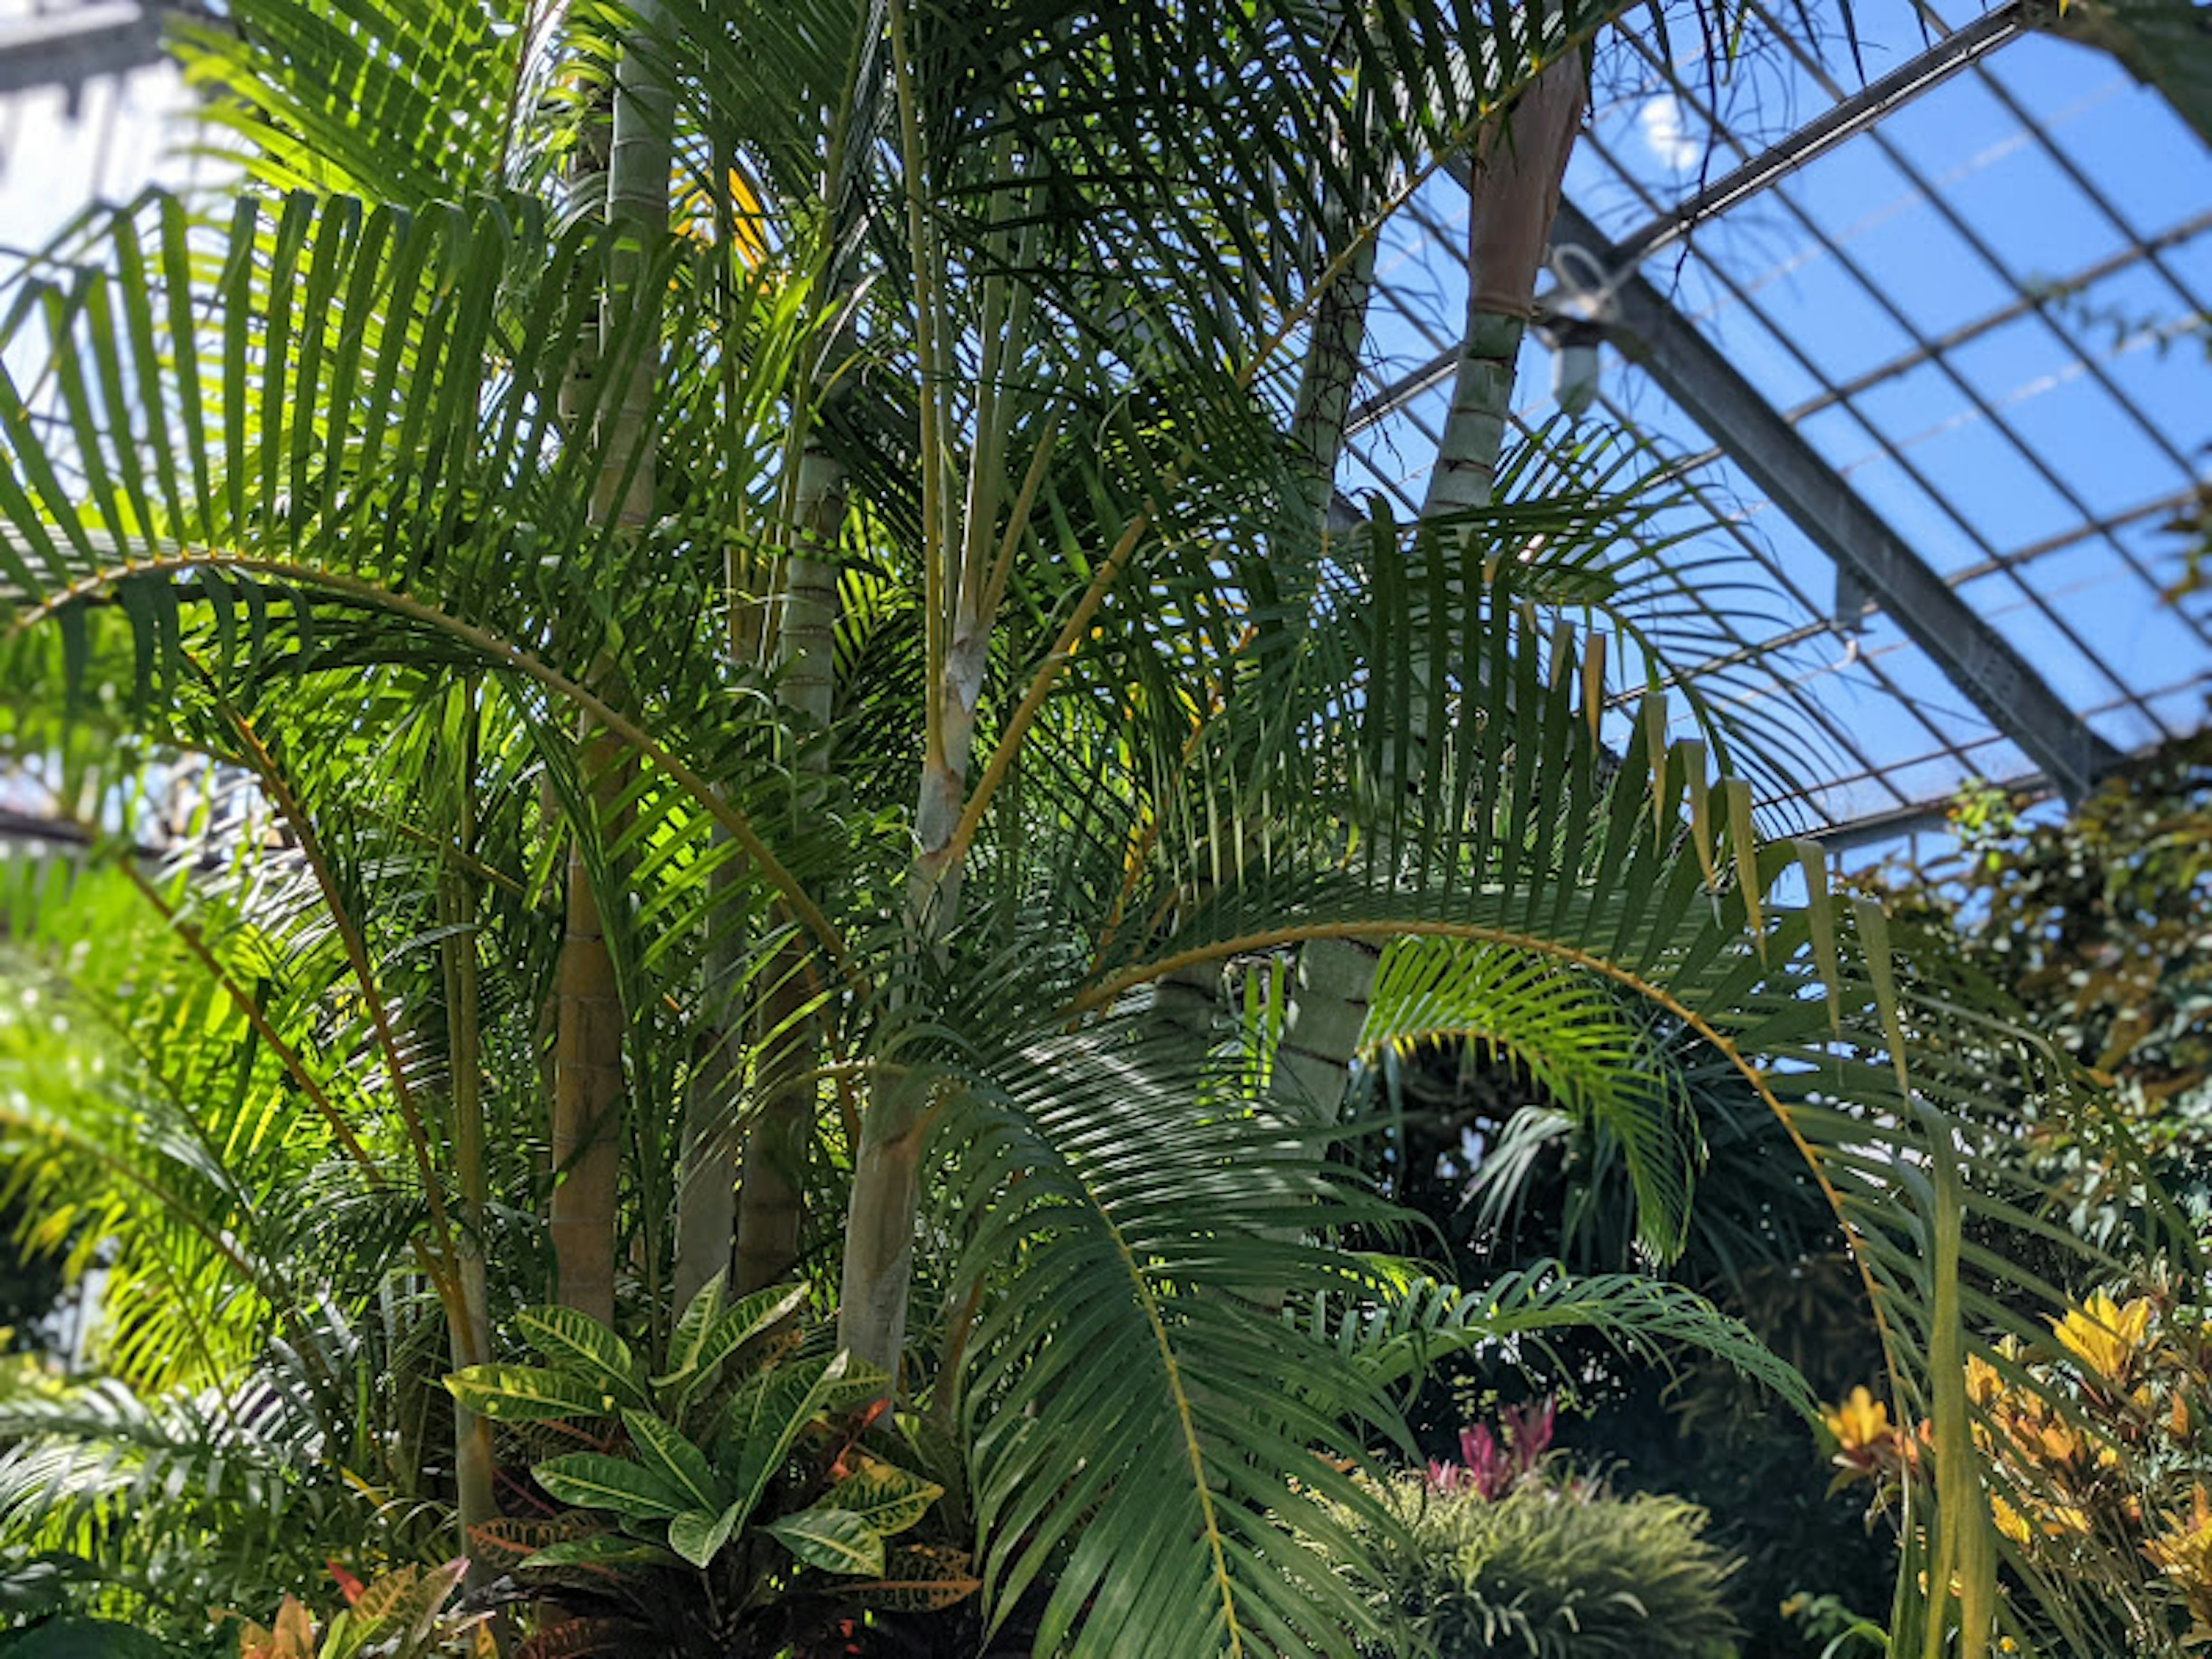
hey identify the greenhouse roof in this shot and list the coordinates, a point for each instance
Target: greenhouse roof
(1930, 338)
(1919, 313)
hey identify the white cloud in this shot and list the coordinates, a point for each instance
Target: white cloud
(1667, 135)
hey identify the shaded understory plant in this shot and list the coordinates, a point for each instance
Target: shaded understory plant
(1507, 1553)
(739, 1497)
(406, 1613)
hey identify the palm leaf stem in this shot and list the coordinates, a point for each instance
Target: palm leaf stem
(476, 1497)
(301, 822)
(1047, 675)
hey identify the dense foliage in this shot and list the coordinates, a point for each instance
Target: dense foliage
(2101, 1463)
(1505, 1554)
(1509, 1166)
(708, 645)
(2096, 920)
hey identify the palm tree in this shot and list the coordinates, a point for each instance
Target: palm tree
(323, 493)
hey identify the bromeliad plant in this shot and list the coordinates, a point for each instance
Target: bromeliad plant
(1509, 1552)
(742, 1457)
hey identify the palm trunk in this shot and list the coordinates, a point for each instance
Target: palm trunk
(964, 587)
(587, 1083)
(588, 1069)
(706, 1196)
(934, 888)
(878, 1264)
(1321, 1031)
(1331, 369)
(470, 1326)
(1519, 170)
(772, 1195)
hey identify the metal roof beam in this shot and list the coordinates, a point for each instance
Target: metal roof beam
(1873, 102)
(2001, 682)
(1878, 99)
(1902, 821)
(67, 48)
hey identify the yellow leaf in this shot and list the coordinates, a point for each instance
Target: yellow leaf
(2105, 1337)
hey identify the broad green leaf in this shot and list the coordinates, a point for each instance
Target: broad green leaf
(684, 1341)
(603, 1549)
(577, 1343)
(667, 1454)
(886, 1496)
(528, 1393)
(735, 1326)
(698, 1535)
(1654, 711)
(836, 1540)
(387, 1600)
(859, 1385)
(594, 1480)
(763, 1419)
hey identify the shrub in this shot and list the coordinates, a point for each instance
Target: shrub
(1549, 1568)
(2100, 1463)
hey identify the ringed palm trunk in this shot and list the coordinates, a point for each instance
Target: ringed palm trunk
(705, 1198)
(1520, 167)
(1518, 171)
(1330, 371)
(772, 1193)
(588, 1069)
(878, 1265)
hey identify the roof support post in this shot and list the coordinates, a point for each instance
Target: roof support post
(2000, 682)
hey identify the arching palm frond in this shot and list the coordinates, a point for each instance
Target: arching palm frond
(1421, 1321)
(1135, 1412)
(398, 100)
(1573, 1043)
(1502, 837)
(191, 1501)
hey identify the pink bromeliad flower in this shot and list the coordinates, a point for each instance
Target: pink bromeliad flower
(1489, 1466)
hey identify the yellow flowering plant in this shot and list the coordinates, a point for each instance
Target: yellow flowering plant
(2096, 1462)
